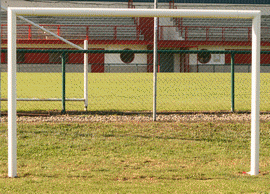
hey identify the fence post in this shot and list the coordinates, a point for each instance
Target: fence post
(63, 83)
(85, 76)
(155, 63)
(232, 82)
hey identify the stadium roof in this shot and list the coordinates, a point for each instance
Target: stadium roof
(179, 1)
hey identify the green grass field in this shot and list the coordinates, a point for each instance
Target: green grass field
(135, 157)
(133, 91)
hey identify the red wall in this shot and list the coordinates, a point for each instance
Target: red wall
(96, 59)
(265, 59)
(147, 28)
(246, 58)
(3, 58)
(75, 58)
(238, 58)
(36, 58)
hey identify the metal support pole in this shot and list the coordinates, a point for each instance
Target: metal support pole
(155, 63)
(255, 95)
(232, 82)
(63, 83)
(85, 76)
(12, 103)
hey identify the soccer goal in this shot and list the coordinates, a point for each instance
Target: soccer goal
(14, 12)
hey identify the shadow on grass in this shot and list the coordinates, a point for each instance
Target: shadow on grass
(117, 112)
(25, 175)
(210, 139)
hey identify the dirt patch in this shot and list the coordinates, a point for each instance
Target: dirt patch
(140, 118)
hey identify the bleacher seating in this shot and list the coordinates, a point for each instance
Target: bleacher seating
(96, 28)
(202, 29)
(106, 28)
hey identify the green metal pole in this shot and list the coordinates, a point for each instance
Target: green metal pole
(63, 83)
(232, 82)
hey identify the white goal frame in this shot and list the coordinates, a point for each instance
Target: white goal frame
(13, 12)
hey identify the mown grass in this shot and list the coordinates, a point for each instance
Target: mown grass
(133, 91)
(135, 158)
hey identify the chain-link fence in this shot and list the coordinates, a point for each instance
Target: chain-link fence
(195, 71)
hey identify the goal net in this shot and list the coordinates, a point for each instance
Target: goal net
(130, 34)
(149, 45)
(181, 66)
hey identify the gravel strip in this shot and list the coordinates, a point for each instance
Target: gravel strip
(139, 118)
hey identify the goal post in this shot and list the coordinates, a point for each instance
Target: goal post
(13, 12)
(255, 95)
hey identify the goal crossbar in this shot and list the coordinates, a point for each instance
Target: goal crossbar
(108, 12)
(13, 12)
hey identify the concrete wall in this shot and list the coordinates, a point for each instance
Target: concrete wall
(115, 58)
(225, 68)
(114, 68)
(77, 68)
(215, 58)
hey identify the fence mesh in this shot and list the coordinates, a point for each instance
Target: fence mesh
(123, 81)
